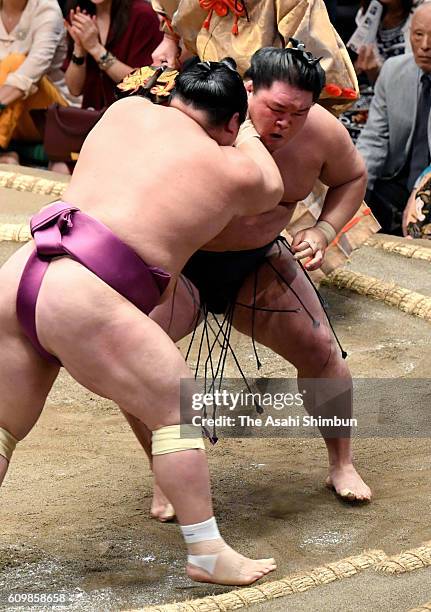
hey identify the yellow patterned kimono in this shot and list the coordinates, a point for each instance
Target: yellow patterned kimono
(211, 36)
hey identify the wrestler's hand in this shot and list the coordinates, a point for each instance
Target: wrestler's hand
(168, 53)
(310, 243)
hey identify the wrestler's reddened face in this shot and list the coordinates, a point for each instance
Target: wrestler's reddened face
(278, 112)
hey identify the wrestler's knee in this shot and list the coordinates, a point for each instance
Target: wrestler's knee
(171, 403)
(177, 431)
(313, 350)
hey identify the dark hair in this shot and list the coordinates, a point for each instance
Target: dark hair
(120, 10)
(214, 87)
(406, 5)
(293, 65)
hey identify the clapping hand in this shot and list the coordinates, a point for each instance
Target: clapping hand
(83, 30)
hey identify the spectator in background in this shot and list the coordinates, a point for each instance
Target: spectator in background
(395, 141)
(345, 22)
(392, 36)
(417, 213)
(32, 51)
(108, 40)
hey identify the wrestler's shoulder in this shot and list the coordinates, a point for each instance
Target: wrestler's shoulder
(323, 128)
(319, 119)
(127, 113)
(129, 103)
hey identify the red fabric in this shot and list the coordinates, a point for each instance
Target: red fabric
(134, 48)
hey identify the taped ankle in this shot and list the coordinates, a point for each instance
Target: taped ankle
(7, 443)
(202, 532)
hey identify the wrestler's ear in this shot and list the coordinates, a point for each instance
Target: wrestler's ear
(248, 86)
(232, 126)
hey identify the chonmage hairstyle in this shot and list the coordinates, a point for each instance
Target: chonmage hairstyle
(214, 87)
(292, 65)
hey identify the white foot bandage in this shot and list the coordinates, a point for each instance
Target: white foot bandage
(7, 443)
(174, 438)
(202, 532)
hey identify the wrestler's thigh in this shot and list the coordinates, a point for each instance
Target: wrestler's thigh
(25, 378)
(179, 314)
(298, 336)
(108, 345)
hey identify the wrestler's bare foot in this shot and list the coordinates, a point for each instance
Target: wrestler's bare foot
(161, 508)
(347, 483)
(230, 568)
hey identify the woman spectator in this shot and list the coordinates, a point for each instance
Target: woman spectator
(392, 36)
(32, 50)
(110, 38)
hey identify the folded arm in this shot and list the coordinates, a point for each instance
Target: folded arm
(257, 174)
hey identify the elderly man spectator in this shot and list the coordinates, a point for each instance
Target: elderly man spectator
(395, 142)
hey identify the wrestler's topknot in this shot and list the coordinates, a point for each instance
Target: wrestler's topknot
(214, 87)
(293, 65)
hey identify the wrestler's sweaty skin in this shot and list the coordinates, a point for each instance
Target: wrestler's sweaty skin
(105, 342)
(312, 145)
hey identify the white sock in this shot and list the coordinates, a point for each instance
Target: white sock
(202, 532)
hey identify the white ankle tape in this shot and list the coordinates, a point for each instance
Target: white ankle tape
(7, 443)
(205, 562)
(199, 532)
(174, 438)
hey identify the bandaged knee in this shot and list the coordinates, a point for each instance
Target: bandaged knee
(175, 438)
(7, 443)
(202, 532)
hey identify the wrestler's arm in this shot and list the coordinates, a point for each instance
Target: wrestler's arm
(344, 172)
(255, 171)
(256, 177)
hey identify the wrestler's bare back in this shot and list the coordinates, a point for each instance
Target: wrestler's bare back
(322, 150)
(174, 189)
